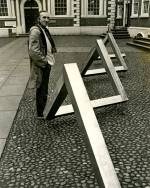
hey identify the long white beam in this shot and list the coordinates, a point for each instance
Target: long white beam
(114, 56)
(102, 70)
(68, 109)
(96, 146)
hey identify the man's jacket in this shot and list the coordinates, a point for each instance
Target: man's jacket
(37, 52)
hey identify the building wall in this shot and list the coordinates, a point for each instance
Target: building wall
(76, 22)
(93, 21)
(139, 22)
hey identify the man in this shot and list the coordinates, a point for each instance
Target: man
(41, 49)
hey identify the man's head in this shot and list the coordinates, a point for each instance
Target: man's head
(44, 17)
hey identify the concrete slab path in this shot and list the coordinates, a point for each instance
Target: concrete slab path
(14, 74)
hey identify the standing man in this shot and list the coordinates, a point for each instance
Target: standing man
(41, 50)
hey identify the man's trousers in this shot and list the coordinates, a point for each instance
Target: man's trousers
(42, 91)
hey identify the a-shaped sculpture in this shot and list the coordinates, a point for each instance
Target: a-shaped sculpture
(71, 82)
(54, 108)
(94, 55)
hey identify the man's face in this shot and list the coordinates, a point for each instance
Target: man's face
(44, 18)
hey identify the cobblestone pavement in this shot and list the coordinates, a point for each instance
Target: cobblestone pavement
(53, 154)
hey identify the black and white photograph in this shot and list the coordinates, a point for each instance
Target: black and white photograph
(74, 93)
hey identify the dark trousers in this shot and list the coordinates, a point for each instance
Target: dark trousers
(42, 91)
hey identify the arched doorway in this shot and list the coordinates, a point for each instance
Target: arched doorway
(31, 11)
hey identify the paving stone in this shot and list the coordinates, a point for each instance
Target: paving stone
(6, 120)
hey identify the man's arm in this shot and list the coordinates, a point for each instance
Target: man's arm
(34, 48)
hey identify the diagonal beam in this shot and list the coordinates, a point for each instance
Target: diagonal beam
(116, 83)
(58, 97)
(88, 123)
(105, 40)
(93, 55)
(116, 50)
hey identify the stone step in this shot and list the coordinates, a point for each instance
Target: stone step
(116, 36)
(145, 39)
(138, 45)
(143, 42)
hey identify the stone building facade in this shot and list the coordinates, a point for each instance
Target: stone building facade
(74, 17)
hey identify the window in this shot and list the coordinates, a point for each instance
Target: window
(93, 8)
(3, 8)
(145, 8)
(60, 7)
(135, 8)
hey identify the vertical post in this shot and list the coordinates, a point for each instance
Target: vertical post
(18, 26)
(12, 8)
(49, 6)
(44, 5)
(116, 3)
(124, 13)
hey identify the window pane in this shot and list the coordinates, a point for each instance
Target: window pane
(93, 7)
(60, 7)
(3, 8)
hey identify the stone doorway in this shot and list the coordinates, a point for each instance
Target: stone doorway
(31, 11)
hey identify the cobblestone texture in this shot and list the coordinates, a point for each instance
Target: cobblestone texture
(42, 153)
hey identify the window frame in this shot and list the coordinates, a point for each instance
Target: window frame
(142, 9)
(69, 9)
(102, 9)
(9, 10)
(133, 6)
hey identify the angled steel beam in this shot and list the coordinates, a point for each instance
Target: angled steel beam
(116, 83)
(105, 40)
(58, 97)
(93, 55)
(88, 123)
(116, 50)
